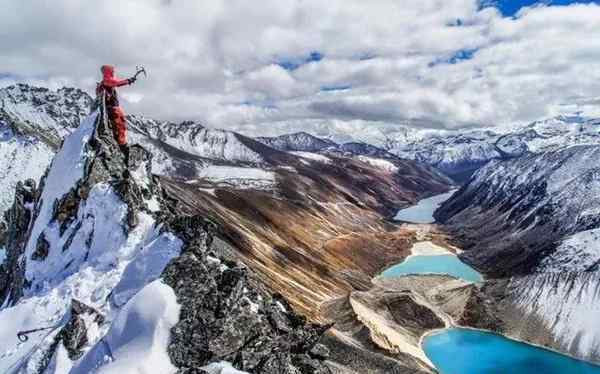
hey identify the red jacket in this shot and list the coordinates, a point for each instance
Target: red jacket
(108, 85)
(109, 80)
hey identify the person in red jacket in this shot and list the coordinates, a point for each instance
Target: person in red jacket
(115, 112)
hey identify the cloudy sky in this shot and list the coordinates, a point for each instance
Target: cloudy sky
(335, 66)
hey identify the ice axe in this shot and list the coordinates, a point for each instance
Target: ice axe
(140, 70)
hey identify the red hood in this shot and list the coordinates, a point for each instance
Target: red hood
(108, 71)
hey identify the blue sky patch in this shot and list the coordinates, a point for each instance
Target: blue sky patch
(509, 8)
(295, 63)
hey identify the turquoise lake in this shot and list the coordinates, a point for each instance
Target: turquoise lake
(423, 211)
(464, 351)
(441, 264)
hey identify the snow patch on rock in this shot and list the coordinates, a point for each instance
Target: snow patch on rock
(379, 163)
(139, 336)
(239, 177)
(313, 156)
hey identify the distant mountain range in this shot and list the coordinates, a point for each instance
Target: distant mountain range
(457, 153)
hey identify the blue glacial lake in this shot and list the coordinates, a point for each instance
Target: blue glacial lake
(464, 351)
(423, 211)
(442, 264)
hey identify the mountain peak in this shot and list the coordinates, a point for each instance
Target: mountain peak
(298, 141)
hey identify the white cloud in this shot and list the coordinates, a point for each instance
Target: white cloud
(216, 61)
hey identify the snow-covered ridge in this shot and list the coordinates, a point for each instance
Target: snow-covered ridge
(102, 277)
(304, 142)
(193, 138)
(457, 153)
(312, 156)
(379, 163)
(300, 141)
(57, 112)
(239, 177)
(90, 257)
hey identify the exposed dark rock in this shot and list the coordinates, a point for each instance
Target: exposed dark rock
(73, 336)
(227, 316)
(320, 351)
(66, 208)
(41, 249)
(18, 219)
(71, 237)
(3, 233)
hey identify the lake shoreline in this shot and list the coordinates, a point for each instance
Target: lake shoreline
(504, 336)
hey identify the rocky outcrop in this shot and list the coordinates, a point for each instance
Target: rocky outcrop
(354, 347)
(228, 316)
(72, 337)
(18, 219)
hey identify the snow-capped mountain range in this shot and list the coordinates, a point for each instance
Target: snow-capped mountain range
(34, 121)
(458, 153)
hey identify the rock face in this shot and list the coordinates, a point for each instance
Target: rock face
(538, 210)
(17, 219)
(226, 315)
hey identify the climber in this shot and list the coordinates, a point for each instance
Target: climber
(108, 88)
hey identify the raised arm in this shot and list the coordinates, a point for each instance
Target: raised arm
(115, 82)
